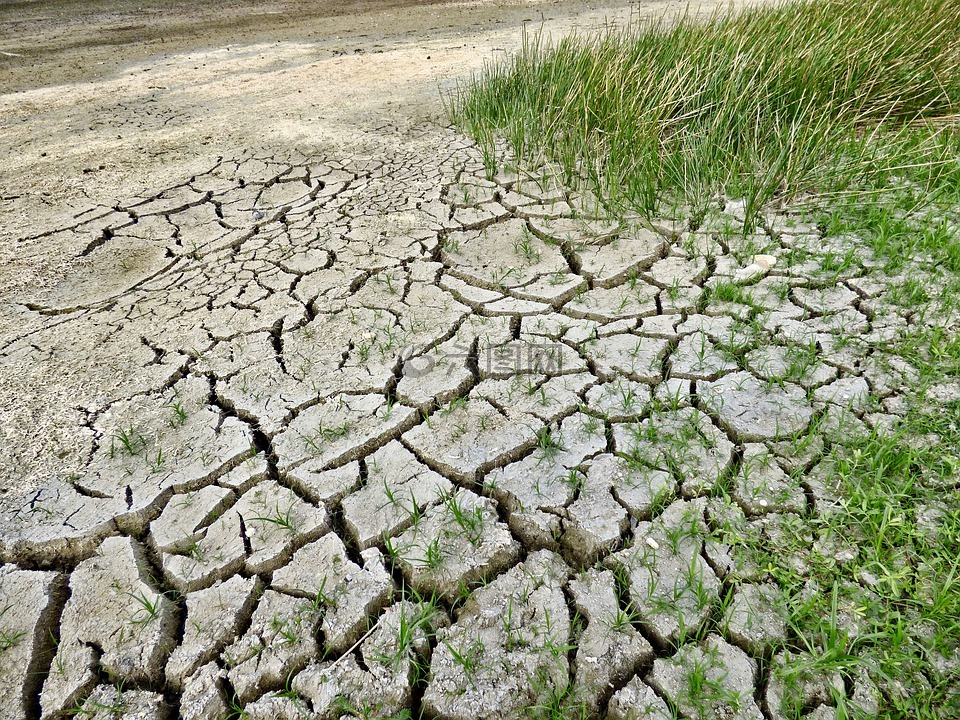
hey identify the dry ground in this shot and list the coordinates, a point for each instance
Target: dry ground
(107, 103)
(280, 363)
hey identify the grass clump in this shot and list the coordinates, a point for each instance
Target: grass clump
(890, 610)
(823, 96)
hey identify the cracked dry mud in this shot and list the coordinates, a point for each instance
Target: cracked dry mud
(325, 389)
(355, 382)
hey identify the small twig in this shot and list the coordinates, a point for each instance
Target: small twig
(353, 647)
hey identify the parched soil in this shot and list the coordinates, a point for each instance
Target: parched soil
(305, 415)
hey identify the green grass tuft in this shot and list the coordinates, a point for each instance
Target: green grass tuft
(826, 97)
